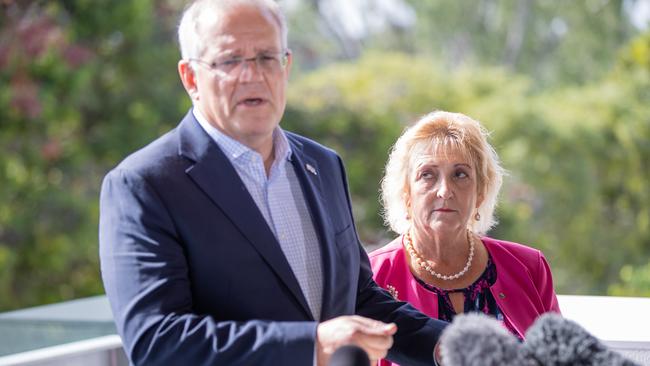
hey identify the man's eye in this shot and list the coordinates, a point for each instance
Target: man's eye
(231, 62)
(266, 59)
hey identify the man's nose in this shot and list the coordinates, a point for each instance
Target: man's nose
(250, 70)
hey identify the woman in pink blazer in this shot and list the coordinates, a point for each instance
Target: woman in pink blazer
(439, 192)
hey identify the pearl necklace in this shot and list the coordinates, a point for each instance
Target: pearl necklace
(424, 264)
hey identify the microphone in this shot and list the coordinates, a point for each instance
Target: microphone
(349, 355)
(475, 339)
(554, 340)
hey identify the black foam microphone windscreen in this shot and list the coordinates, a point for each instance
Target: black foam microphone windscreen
(349, 355)
(556, 341)
(474, 339)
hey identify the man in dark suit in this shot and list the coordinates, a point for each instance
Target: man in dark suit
(229, 241)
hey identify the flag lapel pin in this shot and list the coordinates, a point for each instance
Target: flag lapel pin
(311, 169)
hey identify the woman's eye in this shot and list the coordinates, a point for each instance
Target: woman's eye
(461, 174)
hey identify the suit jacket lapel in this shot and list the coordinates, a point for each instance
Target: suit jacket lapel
(215, 175)
(307, 171)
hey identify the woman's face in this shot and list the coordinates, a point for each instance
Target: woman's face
(442, 193)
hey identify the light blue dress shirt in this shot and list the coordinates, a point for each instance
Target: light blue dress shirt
(280, 199)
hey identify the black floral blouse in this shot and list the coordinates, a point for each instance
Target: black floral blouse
(478, 297)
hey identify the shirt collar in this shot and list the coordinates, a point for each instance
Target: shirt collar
(234, 149)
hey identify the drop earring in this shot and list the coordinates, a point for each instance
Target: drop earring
(477, 217)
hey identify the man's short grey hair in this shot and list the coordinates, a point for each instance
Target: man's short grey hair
(443, 132)
(200, 11)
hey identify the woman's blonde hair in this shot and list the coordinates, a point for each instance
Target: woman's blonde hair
(442, 131)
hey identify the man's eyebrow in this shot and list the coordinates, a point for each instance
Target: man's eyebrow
(269, 49)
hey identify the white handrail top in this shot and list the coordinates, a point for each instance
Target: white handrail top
(615, 320)
(64, 350)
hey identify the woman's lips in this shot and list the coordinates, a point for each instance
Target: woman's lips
(444, 210)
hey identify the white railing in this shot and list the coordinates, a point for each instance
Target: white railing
(73, 333)
(622, 323)
(101, 351)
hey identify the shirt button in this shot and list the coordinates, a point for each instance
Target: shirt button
(502, 295)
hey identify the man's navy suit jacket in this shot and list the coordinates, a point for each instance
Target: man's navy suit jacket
(195, 276)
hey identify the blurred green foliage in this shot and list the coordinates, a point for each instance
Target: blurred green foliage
(634, 281)
(578, 157)
(84, 83)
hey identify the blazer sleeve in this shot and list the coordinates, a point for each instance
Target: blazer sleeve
(417, 334)
(145, 275)
(545, 285)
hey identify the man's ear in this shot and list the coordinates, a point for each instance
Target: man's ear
(188, 78)
(289, 62)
